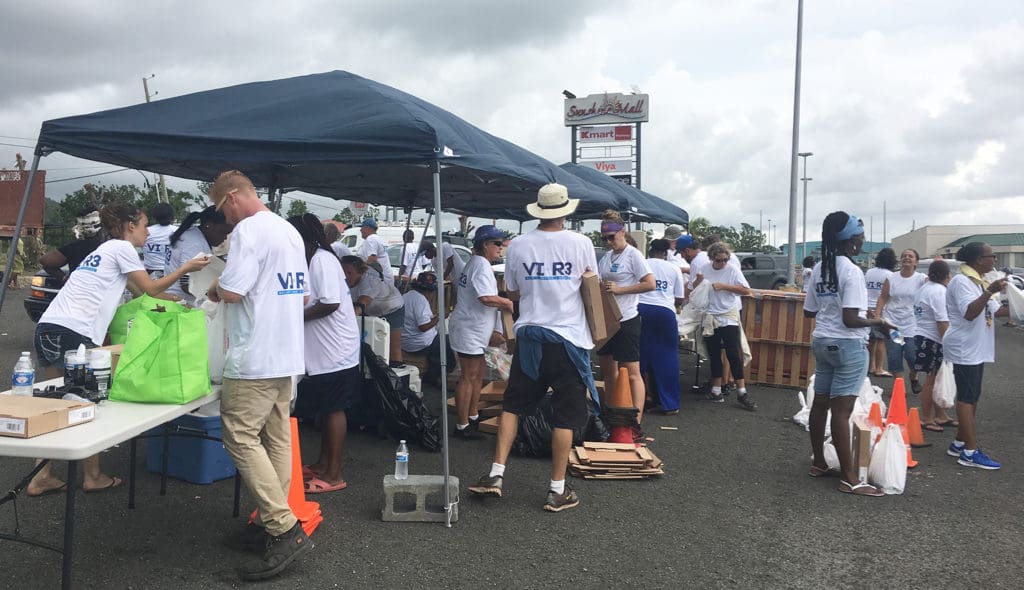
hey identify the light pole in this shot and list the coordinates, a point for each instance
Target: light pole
(791, 272)
(769, 231)
(806, 179)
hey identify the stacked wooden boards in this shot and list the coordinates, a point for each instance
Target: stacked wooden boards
(599, 460)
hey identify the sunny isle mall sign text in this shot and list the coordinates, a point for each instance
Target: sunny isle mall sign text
(607, 108)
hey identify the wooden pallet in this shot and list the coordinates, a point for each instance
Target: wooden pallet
(779, 337)
(490, 425)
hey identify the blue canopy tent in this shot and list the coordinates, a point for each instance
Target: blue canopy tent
(333, 134)
(630, 199)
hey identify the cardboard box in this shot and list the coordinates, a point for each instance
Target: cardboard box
(493, 391)
(508, 329)
(602, 318)
(24, 416)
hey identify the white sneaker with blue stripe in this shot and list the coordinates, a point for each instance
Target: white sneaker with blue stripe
(977, 459)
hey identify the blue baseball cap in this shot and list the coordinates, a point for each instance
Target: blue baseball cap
(487, 232)
(369, 222)
(685, 241)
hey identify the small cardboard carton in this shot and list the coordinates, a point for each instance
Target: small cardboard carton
(25, 417)
(861, 447)
(602, 310)
(509, 331)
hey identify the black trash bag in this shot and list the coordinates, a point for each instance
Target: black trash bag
(534, 436)
(387, 400)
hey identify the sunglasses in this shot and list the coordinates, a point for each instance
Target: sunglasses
(497, 243)
(607, 237)
(721, 260)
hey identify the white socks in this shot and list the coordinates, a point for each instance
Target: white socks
(558, 487)
(497, 470)
(474, 417)
(716, 390)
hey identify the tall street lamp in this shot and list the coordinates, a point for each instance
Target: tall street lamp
(805, 179)
(791, 273)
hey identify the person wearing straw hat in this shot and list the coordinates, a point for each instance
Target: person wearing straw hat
(544, 270)
(672, 234)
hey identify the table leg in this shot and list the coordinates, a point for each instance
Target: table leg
(163, 463)
(131, 474)
(69, 525)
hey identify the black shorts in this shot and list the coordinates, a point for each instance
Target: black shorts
(624, 346)
(569, 400)
(52, 341)
(927, 355)
(328, 393)
(968, 382)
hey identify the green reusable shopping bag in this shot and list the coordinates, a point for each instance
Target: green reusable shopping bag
(125, 315)
(164, 359)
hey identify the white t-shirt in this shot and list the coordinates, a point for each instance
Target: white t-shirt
(697, 266)
(331, 342)
(546, 268)
(384, 296)
(157, 249)
(930, 307)
(411, 259)
(678, 260)
(374, 246)
(805, 277)
(968, 342)
(446, 252)
(267, 266)
(829, 304)
(340, 249)
(668, 284)
(899, 310)
(625, 269)
(874, 278)
(722, 301)
(191, 242)
(417, 313)
(472, 322)
(87, 302)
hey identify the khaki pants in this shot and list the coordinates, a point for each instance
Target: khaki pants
(257, 436)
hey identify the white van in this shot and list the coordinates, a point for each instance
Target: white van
(391, 234)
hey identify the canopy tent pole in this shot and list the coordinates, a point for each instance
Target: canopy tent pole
(419, 251)
(21, 220)
(442, 332)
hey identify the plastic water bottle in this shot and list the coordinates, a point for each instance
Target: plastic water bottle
(24, 375)
(896, 337)
(402, 461)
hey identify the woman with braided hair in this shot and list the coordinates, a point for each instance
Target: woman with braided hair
(838, 300)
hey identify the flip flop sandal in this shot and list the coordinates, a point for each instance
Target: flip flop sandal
(307, 473)
(817, 472)
(949, 422)
(861, 489)
(933, 427)
(883, 374)
(115, 482)
(57, 490)
(319, 486)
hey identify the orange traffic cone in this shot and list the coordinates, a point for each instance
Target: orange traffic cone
(308, 513)
(620, 399)
(906, 442)
(875, 416)
(897, 405)
(914, 430)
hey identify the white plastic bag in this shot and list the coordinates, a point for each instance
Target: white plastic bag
(499, 363)
(944, 392)
(1015, 299)
(802, 417)
(216, 338)
(888, 470)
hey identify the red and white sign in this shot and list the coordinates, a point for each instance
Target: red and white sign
(358, 205)
(598, 109)
(609, 166)
(608, 133)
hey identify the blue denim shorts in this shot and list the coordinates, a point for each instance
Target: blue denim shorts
(841, 364)
(52, 341)
(896, 355)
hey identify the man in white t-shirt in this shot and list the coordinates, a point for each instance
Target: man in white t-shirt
(419, 333)
(672, 234)
(688, 246)
(333, 236)
(157, 250)
(264, 285)
(544, 269)
(373, 249)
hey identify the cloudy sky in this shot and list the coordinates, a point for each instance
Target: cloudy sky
(915, 104)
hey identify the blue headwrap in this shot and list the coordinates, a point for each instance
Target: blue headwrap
(854, 227)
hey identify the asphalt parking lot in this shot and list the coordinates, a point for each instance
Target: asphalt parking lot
(734, 509)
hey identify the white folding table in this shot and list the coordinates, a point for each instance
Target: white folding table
(115, 423)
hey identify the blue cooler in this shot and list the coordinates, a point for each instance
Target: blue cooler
(189, 458)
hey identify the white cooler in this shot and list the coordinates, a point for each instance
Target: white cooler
(415, 383)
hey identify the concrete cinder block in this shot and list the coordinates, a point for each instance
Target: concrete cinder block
(420, 498)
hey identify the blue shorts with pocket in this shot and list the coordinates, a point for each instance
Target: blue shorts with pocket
(841, 364)
(968, 382)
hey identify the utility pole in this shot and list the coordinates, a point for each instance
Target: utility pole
(791, 271)
(805, 155)
(161, 190)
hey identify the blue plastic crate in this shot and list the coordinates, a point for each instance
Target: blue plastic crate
(191, 459)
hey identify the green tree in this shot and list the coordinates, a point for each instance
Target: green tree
(297, 208)
(699, 227)
(750, 240)
(725, 233)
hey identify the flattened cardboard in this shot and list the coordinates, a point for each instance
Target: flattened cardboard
(861, 447)
(603, 319)
(25, 417)
(493, 391)
(508, 328)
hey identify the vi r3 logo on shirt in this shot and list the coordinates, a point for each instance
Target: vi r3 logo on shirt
(537, 271)
(292, 283)
(90, 263)
(661, 285)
